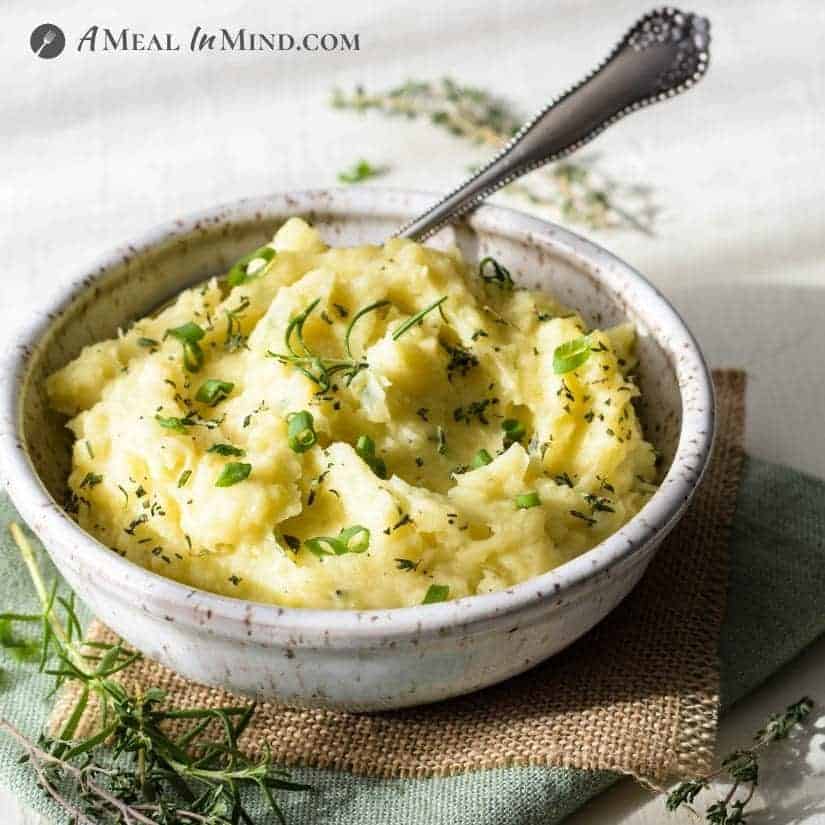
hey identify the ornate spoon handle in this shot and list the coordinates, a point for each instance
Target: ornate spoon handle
(665, 53)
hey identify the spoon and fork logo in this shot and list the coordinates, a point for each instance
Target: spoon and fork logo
(47, 41)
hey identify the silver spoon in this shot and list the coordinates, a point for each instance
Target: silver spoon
(664, 54)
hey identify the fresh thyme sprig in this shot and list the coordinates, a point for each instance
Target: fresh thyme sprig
(576, 192)
(147, 764)
(741, 767)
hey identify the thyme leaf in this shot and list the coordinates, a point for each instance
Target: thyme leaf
(360, 171)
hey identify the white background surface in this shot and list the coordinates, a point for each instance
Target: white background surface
(96, 148)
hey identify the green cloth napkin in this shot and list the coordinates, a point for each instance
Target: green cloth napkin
(777, 578)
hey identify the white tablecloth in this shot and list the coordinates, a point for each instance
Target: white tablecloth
(95, 148)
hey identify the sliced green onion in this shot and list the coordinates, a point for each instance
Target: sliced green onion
(525, 501)
(184, 477)
(301, 431)
(513, 431)
(571, 354)
(355, 539)
(436, 593)
(189, 334)
(481, 459)
(414, 319)
(500, 274)
(179, 425)
(213, 391)
(238, 274)
(226, 449)
(365, 448)
(232, 473)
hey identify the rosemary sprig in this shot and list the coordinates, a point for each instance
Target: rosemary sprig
(321, 369)
(741, 767)
(575, 192)
(314, 366)
(147, 764)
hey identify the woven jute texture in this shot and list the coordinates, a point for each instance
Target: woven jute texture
(638, 694)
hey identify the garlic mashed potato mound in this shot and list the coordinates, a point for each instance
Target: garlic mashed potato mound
(369, 427)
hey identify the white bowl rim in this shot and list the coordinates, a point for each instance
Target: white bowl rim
(184, 603)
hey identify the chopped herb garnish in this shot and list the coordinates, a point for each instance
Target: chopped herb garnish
(360, 171)
(514, 431)
(417, 318)
(213, 391)
(599, 503)
(184, 477)
(461, 360)
(572, 354)
(189, 334)
(235, 339)
(179, 425)
(436, 593)
(239, 273)
(148, 343)
(135, 523)
(492, 272)
(232, 473)
(301, 433)
(605, 484)
(292, 542)
(481, 459)
(441, 439)
(525, 501)
(226, 449)
(589, 521)
(564, 480)
(475, 409)
(355, 539)
(405, 519)
(91, 480)
(365, 448)
(407, 564)
(236, 580)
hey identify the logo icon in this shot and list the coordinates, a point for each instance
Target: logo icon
(47, 41)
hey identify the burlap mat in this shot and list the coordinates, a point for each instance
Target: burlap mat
(638, 694)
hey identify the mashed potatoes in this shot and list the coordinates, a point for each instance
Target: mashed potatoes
(355, 428)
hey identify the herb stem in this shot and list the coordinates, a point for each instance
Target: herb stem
(414, 319)
(46, 601)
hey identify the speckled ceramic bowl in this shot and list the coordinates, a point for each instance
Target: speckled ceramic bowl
(371, 659)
